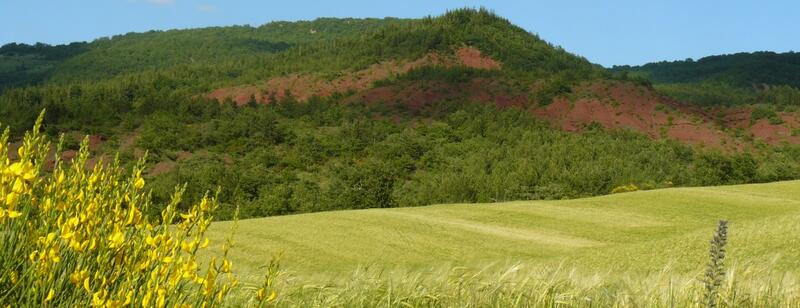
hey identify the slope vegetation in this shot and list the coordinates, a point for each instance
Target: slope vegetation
(740, 69)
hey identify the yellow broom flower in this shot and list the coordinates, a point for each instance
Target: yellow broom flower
(12, 199)
(261, 294)
(50, 295)
(116, 240)
(99, 298)
(78, 277)
(139, 183)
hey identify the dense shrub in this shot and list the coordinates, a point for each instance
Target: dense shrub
(714, 168)
(73, 237)
(624, 189)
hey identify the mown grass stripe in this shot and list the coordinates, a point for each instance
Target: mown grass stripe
(638, 232)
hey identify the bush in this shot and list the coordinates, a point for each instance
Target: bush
(714, 168)
(624, 189)
(763, 112)
(73, 237)
(365, 186)
(163, 132)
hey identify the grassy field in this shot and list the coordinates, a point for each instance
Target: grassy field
(636, 236)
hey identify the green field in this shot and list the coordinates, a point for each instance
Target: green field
(637, 234)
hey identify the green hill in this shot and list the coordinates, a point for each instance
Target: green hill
(163, 67)
(22, 64)
(162, 50)
(462, 107)
(740, 69)
(327, 45)
(766, 78)
(193, 49)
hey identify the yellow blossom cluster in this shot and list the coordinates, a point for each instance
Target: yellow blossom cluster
(77, 237)
(15, 180)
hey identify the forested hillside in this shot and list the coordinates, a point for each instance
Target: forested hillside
(727, 80)
(22, 64)
(331, 114)
(740, 69)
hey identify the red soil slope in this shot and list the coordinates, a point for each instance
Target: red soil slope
(612, 104)
(472, 57)
(616, 105)
(303, 87)
(741, 119)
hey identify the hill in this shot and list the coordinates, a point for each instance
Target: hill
(767, 79)
(163, 50)
(337, 114)
(632, 237)
(325, 45)
(22, 64)
(741, 69)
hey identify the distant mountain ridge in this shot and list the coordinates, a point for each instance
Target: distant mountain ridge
(739, 69)
(767, 82)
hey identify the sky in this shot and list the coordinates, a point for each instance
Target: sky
(610, 32)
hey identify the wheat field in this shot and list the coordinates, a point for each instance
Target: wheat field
(643, 247)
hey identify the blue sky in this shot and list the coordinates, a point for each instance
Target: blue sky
(606, 32)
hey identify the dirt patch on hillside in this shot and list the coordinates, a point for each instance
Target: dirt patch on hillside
(735, 117)
(168, 165)
(13, 148)
(617, 105)
(472, 57)
(304, 86)
(127, 142)
(95, 141)
(412, 95)
(740, 118)
(775, 134)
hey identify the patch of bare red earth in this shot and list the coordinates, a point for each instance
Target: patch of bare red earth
(303, 87)
(762, 129)
(472, 57)
(775, 134)
(616, 105)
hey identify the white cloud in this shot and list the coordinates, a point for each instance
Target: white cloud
(161, 2)
(206, 8)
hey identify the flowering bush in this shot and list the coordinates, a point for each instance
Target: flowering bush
(77, 237)
(624, 189)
